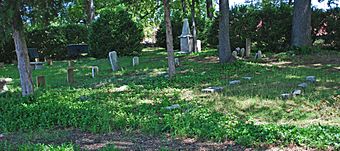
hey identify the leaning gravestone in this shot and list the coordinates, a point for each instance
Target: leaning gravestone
(2, 64)
(234, 53)
(135, 61)
(242, 51)
(114, 60)
(70, 75)
(186, 38)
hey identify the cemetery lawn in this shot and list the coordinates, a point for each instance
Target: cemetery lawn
(133, 100)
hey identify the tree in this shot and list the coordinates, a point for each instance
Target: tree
(90, 12)
(224, 39)
(301, 32)
(169, 39)
(194, 30)
(209, 5)
(12, 18)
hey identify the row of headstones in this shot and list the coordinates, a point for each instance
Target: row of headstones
(240, 52)
(301, 87)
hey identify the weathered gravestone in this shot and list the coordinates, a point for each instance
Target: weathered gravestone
(70, 75)
(248, 47)
(234, 82)
(234, 53)
(311, 79)
(258, 55)
(3, 84)
(303, 85)
(242, 51)
(41, 82)
(114, 60)
(186, 38)
(49, 62)
(2, 64)
(135, 61)
(95, 71)
(177, 62)
(212, 89)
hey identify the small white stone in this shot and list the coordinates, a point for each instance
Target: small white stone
(213, 89)
(175, 106)
(234, 82)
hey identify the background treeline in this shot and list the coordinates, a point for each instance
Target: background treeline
(122, 30)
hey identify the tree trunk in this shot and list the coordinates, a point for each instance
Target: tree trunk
(169, 39)
(184, 7)
(209, 9)
(301, 33)
(22, 55)
(194, 31)
(224, 39)
(90, 12)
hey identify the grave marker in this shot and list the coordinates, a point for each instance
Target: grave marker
(248, 47)
(176, 62)
(135, 61)
(41, 82)
(114, 60)
(95, 71)
(70, 75)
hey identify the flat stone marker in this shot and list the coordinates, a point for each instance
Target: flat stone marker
(176, 62)
(247, 78)
(303, 85)
(296, 92)
(135, 61)
(311, 79)
(286, 96)
(114, 60)
(175, 106)
(41, 82)
(213, 89)
(95, 71)
(37, 65)
(70, 75)
(234, 82)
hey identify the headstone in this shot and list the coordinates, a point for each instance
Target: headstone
(242, 51)
(286, 96)
(175, 106)
(70, 63)
(186, 38)
(234, 82)
(3, 84)
(199, 45)
(41, 82)
(234, 53)
(247, 78)
(311, 79)
(37, 65)
(2, 64)
(248, 47)
(49, 62)
(303, 85)
(177, 62)
(36, 59)
(135, 61)
(238, 49)
(114, 60)
(70, 75)
(258, 55)
(296, 92)
(95, 71)
(213, 89)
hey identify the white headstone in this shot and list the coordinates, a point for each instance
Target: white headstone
(114, 60)
(259, 53)
(135, 61)
(186, 38)
(199, 45)
(95, 71)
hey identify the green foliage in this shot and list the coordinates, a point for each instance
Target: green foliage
(115, 30)
(52, 41)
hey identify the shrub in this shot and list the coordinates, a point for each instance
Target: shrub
(115, 30)
(52, 41)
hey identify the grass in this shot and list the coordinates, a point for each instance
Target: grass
(134, 98)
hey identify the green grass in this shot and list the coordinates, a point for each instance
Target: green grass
(251, 113)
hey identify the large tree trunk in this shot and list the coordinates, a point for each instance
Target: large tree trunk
(90, 12)
(301, 33)
(169, 39)
(194, 31)
(22, 55)
(224, 39)
(209, 9)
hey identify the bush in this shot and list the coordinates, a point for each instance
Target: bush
(7, 51)
(115, 30)
(53, 40)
